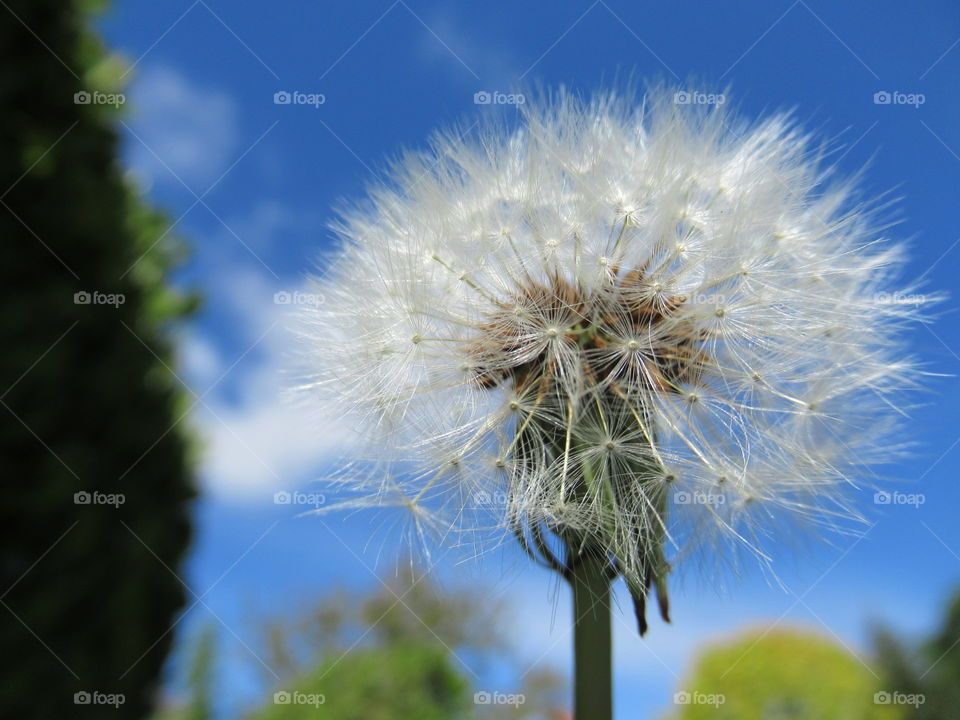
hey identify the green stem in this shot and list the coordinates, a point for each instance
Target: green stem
(591, 638)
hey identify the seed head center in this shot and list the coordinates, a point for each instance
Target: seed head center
(584, 328)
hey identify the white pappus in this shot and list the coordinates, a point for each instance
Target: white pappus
(638, 327)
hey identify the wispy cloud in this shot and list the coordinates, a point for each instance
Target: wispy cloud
(187, 130)
(255, 440)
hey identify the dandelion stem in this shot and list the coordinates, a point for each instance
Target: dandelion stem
(591, 636)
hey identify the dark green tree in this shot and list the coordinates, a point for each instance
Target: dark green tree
(928, 672)
(89, 405)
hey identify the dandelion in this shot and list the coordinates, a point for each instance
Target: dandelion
(635, 333)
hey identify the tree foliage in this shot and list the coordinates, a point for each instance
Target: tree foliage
(928, 670)
(406, 650)
(89, 402)
(780, 675)
(383, 683)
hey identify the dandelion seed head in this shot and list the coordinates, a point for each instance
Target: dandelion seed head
(609, 311)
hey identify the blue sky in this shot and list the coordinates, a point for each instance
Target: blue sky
(252, 184)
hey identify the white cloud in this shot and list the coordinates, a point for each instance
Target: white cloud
(255, 440)
(263, 446)
(189, 128)
(451, 46)
(199, 359)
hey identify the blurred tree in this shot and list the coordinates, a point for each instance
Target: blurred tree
(405, 651)
(780, 675)
(90, 408)
(198, 704)
(930, 670)
(381, 683)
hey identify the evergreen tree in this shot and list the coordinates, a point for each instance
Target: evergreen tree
(89, 408)
(926, 673)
